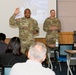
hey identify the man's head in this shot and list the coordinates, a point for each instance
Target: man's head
(52, 13)
(2, 37)
(37, 52)
(27, 13)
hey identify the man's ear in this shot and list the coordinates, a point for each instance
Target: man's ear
(28, 54)
(44, 57)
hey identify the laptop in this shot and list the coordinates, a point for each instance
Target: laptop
(6, 70)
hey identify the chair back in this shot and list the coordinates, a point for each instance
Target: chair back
(6, 70)
(63, 47)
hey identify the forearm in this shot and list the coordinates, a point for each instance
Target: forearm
(12, 21)
(58, 25)
(36, 30)
(46, 28)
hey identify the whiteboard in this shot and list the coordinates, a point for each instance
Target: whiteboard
(40, 10)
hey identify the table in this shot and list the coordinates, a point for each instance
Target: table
(69, 58)
(50, 49)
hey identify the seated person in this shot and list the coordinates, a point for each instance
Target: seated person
(3, 45)
(33, 66)
(13, 53)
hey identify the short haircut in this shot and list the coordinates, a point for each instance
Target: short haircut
(27, 9)
(2, 37)
(52, 10)
(38, 50)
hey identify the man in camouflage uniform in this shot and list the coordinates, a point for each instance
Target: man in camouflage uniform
(52, 27)
(28, 27)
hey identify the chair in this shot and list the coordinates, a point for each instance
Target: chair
(62, 56)
(6, 70)
(71, 60)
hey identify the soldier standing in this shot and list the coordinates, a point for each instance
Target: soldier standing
(52, 26)
(28, 27)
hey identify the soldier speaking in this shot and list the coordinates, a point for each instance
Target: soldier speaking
(28, 27)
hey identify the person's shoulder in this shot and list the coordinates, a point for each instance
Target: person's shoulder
(3, 46)
(20, 19)
(17, 65)
(2, 54)
(48, 18)
(32, 19)
(49, 71)
(5, 55)
(56, 18)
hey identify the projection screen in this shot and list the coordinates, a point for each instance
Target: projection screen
(40, 10)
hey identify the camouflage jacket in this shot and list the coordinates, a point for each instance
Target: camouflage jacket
(26, 26)
(52, 34)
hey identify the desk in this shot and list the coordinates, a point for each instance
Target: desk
(69, 58)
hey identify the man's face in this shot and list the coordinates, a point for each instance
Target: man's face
(27, 13)
(52, 13)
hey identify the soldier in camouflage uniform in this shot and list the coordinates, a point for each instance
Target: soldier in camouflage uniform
(51, 26)
(28, 27)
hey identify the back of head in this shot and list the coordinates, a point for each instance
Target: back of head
(37, 51)
(14, 46)
(2, 37)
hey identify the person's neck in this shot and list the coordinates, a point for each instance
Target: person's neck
(36, 60)
(27, 17)
(52, 17)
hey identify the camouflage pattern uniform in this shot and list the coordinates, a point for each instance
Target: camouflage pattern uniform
(26, 29)
(51, 35)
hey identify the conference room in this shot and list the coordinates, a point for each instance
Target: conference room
(40, 10)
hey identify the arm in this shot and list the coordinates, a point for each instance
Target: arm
(36, 28)
(12, 20)
(46, 26)
(57, 25)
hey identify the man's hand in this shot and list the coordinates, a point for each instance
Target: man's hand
(53, 28)
(17, 11)
(35, 32)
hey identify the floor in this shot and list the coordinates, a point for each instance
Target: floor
(57, 69)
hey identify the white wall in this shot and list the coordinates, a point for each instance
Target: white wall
(67, 14)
